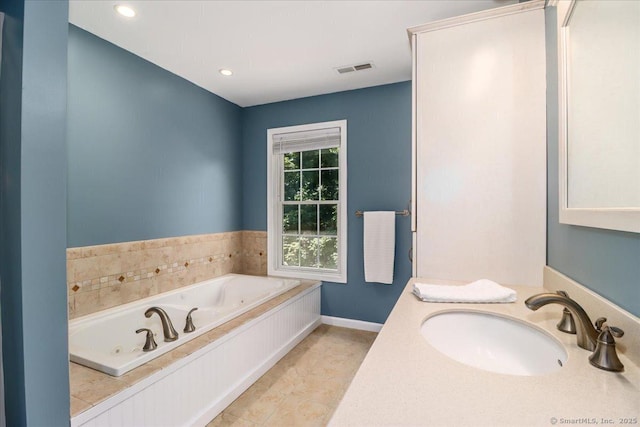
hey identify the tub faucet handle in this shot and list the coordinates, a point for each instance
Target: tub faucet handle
(189, 326)
(150, 343)
(566, 323)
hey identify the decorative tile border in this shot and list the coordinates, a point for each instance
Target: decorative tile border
(104, 276)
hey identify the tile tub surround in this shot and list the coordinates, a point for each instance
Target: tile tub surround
(405, 381)
(90, 387)
(104, 276)
(305, 386)
(254, 253)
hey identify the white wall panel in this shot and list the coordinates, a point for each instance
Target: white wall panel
(481, 150)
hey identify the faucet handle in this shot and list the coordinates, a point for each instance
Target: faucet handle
(599, 322)
(615, 331)
(605, 356)
(566, 323)
(189, 326)
(150, 343)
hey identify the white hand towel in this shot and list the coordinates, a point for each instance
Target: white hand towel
(480, 291)
(379, 246)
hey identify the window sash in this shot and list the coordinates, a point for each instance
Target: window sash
(281, 234)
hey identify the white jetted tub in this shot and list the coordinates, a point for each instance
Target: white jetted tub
(107, 340)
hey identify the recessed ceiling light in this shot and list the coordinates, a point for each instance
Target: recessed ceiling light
(125, 10)
(226, 72)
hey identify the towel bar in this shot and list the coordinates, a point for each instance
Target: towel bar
(401, 213)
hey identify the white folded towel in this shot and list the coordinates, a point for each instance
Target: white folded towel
(379, 243)
(480, 291)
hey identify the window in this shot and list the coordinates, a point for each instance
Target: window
(307, 200)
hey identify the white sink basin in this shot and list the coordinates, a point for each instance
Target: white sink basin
(494, 343)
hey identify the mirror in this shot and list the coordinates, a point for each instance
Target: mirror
(599, 57)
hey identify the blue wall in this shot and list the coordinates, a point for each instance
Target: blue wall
(151, 155)
(605, 261)
(379, 168)
(212, 139)
(33, 91)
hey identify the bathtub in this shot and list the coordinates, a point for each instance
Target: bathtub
(107, 340)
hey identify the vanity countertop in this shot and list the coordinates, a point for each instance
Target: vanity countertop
(405, 381)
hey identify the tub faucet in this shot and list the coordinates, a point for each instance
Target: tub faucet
(169, 331)
(587, 334)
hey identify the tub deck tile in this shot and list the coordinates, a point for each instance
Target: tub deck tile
(92, 386)
(79, 405)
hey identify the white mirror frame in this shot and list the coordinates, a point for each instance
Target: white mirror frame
(623, 219)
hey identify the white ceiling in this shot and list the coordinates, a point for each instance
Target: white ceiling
(278, 50)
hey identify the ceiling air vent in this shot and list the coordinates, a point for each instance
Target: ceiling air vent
(357, 67)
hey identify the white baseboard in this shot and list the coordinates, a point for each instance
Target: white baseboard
(351, 323)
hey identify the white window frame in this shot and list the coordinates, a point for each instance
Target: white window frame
(274, 214)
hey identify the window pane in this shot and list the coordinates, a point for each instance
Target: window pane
(328, 251)
(292, 161)
(330, 184)
(290, 219)
(309, 252)
(291, 185)
(290, 251)
(310, 181)
(310, 159)
(329, 157)
(308, 219)
(329, 219)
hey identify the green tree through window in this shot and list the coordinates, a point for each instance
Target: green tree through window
(310, 208)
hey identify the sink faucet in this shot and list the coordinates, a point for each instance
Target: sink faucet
(169, 331)
(587, 334)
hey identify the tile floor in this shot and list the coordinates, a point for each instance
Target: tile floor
(304, 387)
